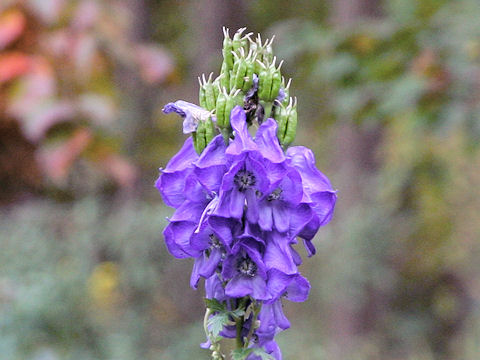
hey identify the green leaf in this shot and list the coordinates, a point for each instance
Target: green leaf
(215, 305)
(237, 313)
(217, 322)
(241, 354)
(264, 355)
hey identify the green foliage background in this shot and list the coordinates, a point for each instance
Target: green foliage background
(389, 103)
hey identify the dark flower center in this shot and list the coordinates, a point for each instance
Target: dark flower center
(275, 195)
(246, 266)
(215, 243)
(244, 180)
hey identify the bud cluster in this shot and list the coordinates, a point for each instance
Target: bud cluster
(241, 201)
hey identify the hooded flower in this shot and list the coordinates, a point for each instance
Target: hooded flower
(253, 166)
(245, 271)
(318, 194)
(171, 182)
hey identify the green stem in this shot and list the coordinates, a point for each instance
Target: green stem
(240, 321)
(239, 340)
(256, 311)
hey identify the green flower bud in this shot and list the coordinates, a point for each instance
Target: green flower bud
(240, 41)
(204, 133)
(263, 52)
(286, 118)
(199, 137)
(224, 78)
(269, 81)
(242, 75)
(207, 94)
(225, 103)
(286, 92)
(291, 131)
(227, 50)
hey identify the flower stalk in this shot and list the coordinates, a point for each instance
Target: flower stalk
(243, 197)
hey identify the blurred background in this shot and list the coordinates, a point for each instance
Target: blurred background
(389, 100)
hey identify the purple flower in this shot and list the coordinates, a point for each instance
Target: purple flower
(212, 254)
(293, 287)
(277, 204)
(245, 271)
(272, 321)
(264, 146)
(191, 113)
(279, 253)
(188, 219)
(317, 190)
(271, 347)
(318, 194)
(253, 166)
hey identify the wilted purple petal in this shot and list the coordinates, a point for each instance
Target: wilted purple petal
(191, 113)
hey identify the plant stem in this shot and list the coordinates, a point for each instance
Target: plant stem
(256, 311)
(239, 340)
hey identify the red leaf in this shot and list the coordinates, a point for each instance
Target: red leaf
(12, 65)
(56, 162)
(12, 24)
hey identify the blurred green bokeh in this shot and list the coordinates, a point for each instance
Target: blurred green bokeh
(389, 100)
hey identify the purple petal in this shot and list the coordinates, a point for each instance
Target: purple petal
(188, 211)
(243, 141)
(225, 229)
(281, 216)
(317, 188)
(183, 159)
(298, 289)
(324, 205)
(195, 276)
(309, 247)
(280, 318)
(171, 182)
(214, 288)
(278, 282)
(265, 217)
(212, 164)
(252, 206)
(177, 238)
(240, 286)
(278, 256)
(267, 142)
(300, 218)
(237, 202)
(209, 265)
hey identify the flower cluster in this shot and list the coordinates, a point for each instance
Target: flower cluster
(241, 203)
